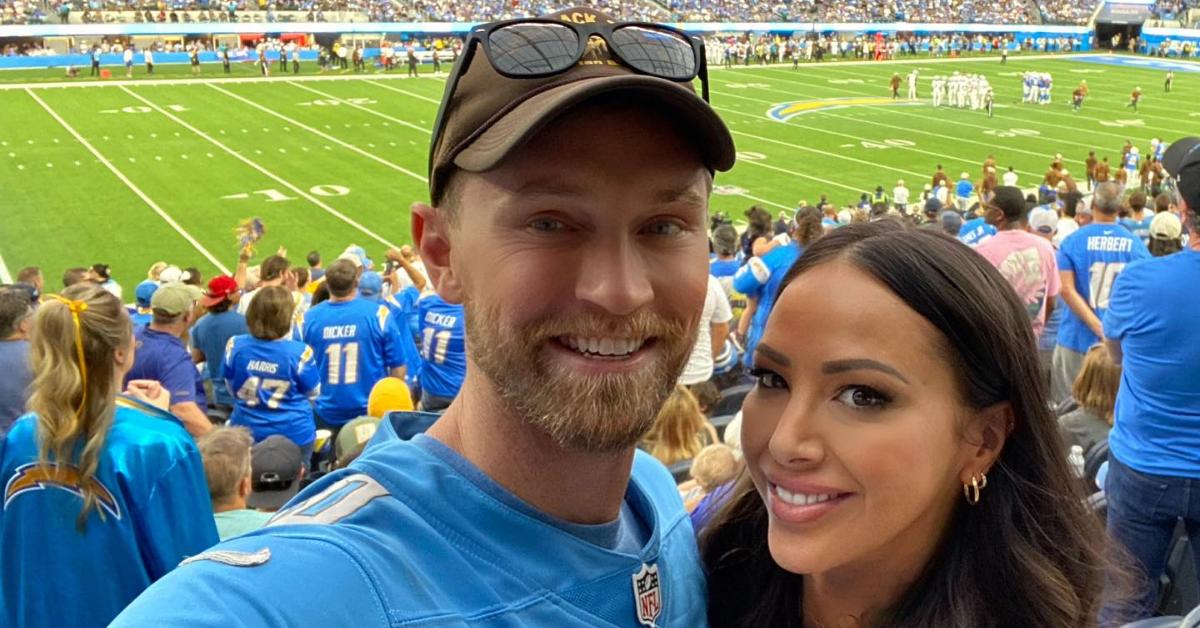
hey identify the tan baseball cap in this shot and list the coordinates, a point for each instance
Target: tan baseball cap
(175, 298)
(489, 115)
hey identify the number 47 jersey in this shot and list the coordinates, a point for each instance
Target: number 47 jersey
(1096, 253)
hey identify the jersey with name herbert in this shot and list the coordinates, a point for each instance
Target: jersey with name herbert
(1096, 253)
(402, 538)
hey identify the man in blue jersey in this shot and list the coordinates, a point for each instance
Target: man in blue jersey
(568, 216)
(212, 332)
(1138, 221)
(356, 343)
(141, 314)
(443, 351)
(1090, 260)
(1154, 447)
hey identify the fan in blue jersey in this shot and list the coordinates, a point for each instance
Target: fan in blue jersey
(1138, 222)
(103, 494)
(443, 351)
(271, 375)
(759, 279)
(1150, 328)
(403, 310)
(141, 313)
(1090, 260)
(356, 343)
(976, 230)
(581, 273)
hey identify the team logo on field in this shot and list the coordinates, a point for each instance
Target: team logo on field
(38, 477)
(788, 110)
(647, 595)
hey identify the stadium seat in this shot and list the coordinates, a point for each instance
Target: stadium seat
(731, 400)
(218, 416)
(1092, 459)
(681, 470)
(1179, 584)
(1065, 406)
(721, 422)
(1098, 503)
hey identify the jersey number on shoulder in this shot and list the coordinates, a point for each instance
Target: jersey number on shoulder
(1101, 277)
(434, 345)
(249, 391)
(335, 353)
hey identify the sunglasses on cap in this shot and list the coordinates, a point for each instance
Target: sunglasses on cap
(541, 47)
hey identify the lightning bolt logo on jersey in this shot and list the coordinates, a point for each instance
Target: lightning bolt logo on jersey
(38, 477)
(443, 346)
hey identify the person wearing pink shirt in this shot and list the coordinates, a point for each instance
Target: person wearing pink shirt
(1026, 260)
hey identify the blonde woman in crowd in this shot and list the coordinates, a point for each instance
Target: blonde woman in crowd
(104, 493)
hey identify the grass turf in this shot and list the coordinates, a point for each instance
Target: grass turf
(327, 163)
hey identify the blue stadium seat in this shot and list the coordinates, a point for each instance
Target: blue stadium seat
(1092, 459)
(731, 400)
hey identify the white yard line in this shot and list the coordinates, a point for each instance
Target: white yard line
(86, 83)
(331, 138)
(136, 190)
(406, 93)
(302, 193)
(366, 109)
(5, 277)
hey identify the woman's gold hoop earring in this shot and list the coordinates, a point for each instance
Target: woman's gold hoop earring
(972, 491)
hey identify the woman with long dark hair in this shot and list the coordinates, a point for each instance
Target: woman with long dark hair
(903, 468)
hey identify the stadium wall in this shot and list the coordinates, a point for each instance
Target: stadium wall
(1019, 32)
(1153, 36)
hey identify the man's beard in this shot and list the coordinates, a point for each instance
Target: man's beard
(587, 413)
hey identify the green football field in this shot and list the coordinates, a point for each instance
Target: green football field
(164, 168)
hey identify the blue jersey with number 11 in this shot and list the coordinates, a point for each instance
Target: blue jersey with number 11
(443, 346)
(356, 343)
(1096, 253)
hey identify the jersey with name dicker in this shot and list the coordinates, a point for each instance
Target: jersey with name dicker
(1097, 254)
(271, 381)
(406, 537)
(443, 346)
(356, 344)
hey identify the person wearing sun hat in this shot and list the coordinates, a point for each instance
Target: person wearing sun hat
(1154, 446)
(1166, 234)
(526, 503)
(212, 332)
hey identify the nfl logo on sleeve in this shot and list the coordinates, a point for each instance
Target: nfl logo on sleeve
(647, 595)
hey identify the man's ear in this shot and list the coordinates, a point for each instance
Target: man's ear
(984, 439)
(431, 233)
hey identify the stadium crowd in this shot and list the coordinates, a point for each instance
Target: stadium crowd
(922, 407)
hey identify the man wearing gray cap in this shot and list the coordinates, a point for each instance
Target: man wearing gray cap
(1154, 446)
(570, 170)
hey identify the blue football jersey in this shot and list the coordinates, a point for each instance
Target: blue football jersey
(271, 381)
(153, 511)
(975, 231)
(1139, 228)
(1096, 253)
(443, 346)
(356, 344)
(760, 278)
(405, 536)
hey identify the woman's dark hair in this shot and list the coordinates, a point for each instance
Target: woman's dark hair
(760, 222)
(1030, 553)
(808, 225)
